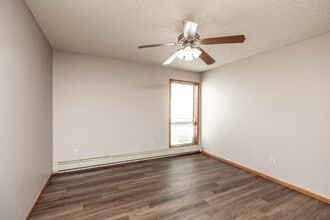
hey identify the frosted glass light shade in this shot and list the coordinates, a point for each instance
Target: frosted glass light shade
(196, 53)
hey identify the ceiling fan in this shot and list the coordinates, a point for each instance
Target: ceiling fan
(190, 42)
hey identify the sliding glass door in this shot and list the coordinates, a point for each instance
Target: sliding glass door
(184, 112)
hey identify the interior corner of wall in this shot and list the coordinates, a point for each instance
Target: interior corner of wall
(55, 167)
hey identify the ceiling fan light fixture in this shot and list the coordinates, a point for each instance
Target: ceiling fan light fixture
(188, 54)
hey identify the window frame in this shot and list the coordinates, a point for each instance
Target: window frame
(196, 111)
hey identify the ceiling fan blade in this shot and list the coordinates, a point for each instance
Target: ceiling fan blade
(170, 59)
(224, 40)
(189, 29)
(206, 57)
(157, 45)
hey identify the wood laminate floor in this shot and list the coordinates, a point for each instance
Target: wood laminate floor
(184, 187)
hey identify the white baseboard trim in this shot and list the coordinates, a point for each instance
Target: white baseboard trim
(73, 165)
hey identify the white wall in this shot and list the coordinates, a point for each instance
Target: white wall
(106, 107)
(273, 104)
(25, 110)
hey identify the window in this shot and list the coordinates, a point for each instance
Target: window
(184, 112)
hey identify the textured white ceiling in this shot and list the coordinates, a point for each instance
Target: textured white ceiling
(114, 28)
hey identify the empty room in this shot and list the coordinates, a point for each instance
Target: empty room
(150, 109)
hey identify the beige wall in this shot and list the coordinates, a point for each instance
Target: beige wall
(25, 110)
(274, 104)
(106, 107)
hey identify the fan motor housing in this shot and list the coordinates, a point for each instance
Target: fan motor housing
(183, 40)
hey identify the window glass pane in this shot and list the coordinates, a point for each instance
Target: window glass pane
(182, 102)
(182, 114)
(182, 133)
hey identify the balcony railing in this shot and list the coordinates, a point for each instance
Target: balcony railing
(182, 131)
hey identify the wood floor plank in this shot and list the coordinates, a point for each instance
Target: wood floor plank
(183, 187)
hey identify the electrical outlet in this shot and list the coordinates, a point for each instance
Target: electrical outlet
(272, 160)
(75, 152)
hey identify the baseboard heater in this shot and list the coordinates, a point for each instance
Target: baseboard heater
(74, 165)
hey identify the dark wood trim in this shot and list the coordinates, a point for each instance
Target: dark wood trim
(184, 81)
(38, 197)
(196, 111)
(288, 185)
